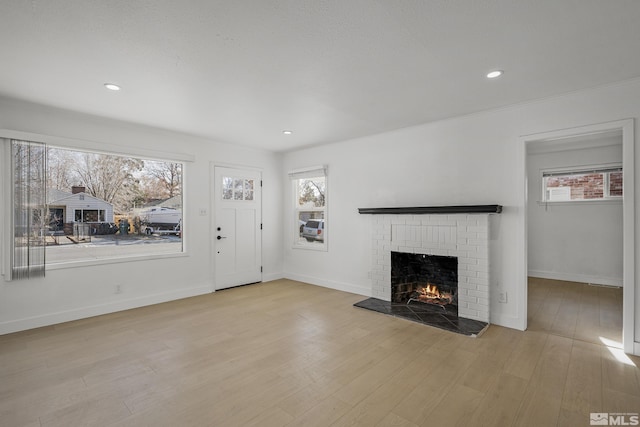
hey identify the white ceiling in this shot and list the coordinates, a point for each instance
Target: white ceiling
(241, 71)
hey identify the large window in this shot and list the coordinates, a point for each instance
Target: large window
(94, 206)
(599, 183)
(310, 208)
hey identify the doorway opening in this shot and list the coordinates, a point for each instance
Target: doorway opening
(578, 233)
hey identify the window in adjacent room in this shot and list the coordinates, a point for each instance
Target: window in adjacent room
(598, 183)
(310, 208)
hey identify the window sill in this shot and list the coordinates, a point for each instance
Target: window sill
(311, 247)
(617, 201)
(114, 260)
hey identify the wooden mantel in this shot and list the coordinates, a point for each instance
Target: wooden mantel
(418, 210)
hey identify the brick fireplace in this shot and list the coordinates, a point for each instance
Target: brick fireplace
(460, 232)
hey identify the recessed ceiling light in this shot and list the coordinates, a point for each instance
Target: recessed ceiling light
(112, 86)
(287, 132)
(494, 74)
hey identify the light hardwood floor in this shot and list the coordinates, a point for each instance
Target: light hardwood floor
(287, 353)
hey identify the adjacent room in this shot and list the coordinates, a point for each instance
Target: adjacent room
(282, 213)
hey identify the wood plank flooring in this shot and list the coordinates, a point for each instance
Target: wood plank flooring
(286, 353)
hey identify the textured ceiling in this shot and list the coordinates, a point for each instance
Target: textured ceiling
(242, 71)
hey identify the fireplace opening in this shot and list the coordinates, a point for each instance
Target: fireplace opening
(425, 279)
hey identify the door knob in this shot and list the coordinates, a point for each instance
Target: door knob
(221, 237)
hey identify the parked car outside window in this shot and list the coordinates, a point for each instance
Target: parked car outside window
(313, 230)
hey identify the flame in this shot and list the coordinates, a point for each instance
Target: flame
(431, 291)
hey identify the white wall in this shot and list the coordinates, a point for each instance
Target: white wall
(476, 159)
(66, 294)
(574, 241)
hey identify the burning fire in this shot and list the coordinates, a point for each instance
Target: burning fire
(432, 294)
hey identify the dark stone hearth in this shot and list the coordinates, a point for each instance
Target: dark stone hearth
(419, 210)
(426, 314)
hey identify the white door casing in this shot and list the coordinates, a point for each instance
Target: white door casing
(237, 227)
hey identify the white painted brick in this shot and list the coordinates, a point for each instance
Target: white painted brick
(440, 252)
(416, 233)
(481, 250)
(478, 242)
(406, 249)
(398, 219)
(483, 301)
(448, 247)
(479, 267)
(476, 229)
(479, 255)
(466, 248)
(482, 288)
(413, 222)
(413, 244)
(467, 235)
(475, 293)
(476, 307)
(469, 313)
(426, 220)
(478, 281)
(429, 245)
(483, 275)
(467, 298)
(430, 235)
(465, 223)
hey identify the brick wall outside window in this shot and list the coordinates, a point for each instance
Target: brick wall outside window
(615, 184)
(582, 186)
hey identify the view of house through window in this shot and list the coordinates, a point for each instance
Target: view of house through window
(104, 206)
(310, 208)
(593, 184)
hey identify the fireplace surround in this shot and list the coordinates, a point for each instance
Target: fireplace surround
(460, 232)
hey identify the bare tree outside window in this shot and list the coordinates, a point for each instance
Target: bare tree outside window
(110, 204)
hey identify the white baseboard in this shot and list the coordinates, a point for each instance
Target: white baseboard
(97, 310)
(507, 321)
(582, 278)
(340, 286)
(272, 276)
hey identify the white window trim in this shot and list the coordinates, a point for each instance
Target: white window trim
(309, 172)
(576, 170)
(92, 147)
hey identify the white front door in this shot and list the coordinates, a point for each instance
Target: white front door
(237, 227)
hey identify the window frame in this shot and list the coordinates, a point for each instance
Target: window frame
(6, 135)
(605, 169)
(294, 177)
